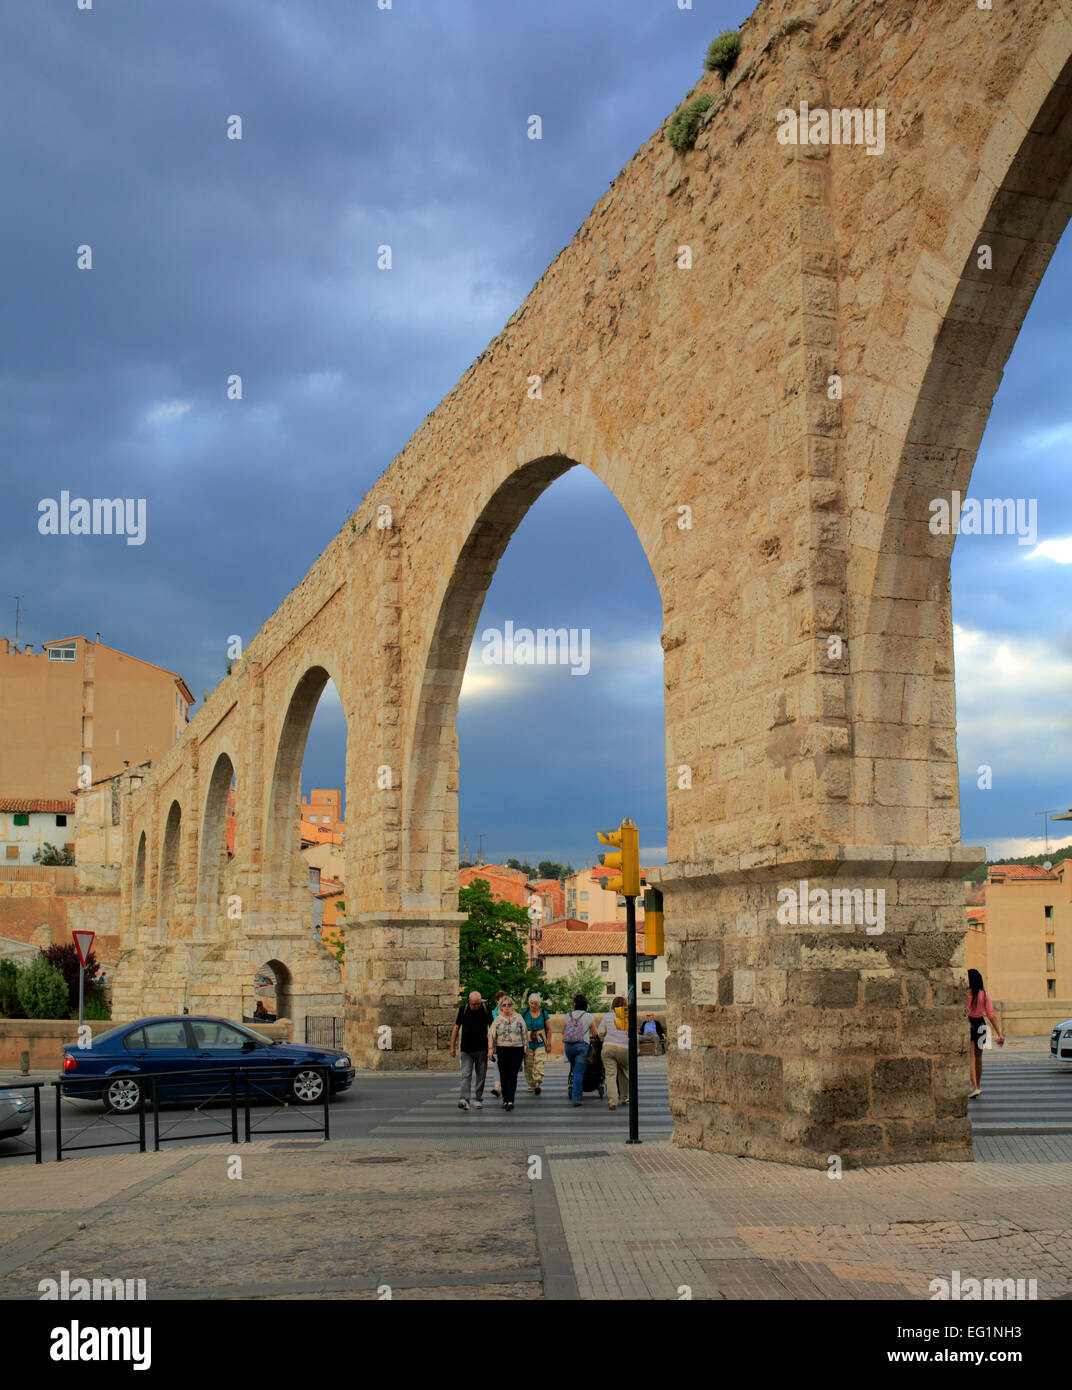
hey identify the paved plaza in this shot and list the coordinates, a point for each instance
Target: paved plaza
(506, 1220)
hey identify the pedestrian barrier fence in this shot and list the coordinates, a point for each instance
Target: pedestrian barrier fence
(157, 1115)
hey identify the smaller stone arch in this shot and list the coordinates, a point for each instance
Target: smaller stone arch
(170, 868)
(138, 885)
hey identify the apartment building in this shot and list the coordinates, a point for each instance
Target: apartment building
(1021, 938)
(568, 941)
(80, 705)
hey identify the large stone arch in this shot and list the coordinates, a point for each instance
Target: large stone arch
(776, 515)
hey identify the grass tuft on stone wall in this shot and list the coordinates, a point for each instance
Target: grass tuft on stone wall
(722, 52)
(685, 123)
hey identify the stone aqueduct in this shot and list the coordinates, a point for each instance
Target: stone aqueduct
(705, 388)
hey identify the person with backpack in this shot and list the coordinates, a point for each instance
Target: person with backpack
(538, 1021)
(472, 1024)
(980, 1008)
(578, 1031)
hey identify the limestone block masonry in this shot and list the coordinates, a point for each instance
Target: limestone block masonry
(775, 355)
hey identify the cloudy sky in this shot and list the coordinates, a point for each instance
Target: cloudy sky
(213, 256)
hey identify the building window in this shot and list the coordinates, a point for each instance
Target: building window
(1051, 989)
(1049, 956)
(61, 820)
(604, 965)
(22, 818)
(645, 963)
(61, 653)
(610, 989)
(645, 986)
(584, 897)
(584, 916)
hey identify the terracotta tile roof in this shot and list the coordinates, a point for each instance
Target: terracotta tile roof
(559, 941)
(49, 804)
(1021, 870)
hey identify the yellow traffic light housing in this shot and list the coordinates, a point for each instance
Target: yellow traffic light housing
(626, 861)
(654, 940)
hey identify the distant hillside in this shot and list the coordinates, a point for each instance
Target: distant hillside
(1063, 852)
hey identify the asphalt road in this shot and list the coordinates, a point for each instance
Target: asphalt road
(378, 1104)
(1025, 1092)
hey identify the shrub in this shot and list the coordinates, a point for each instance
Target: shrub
(42, 990)
(53, 855)
(685, 123)
(64, 957)
(10, 1007)
(95, 1005)
(722, 52)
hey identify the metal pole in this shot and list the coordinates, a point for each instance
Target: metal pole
(630, 974)
(81, 994)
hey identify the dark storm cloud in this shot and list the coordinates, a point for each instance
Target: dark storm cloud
(211, 256)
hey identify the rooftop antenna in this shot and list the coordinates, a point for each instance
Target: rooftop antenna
(480, 850)
(18, 616)
(1046, 823)
(465, 851)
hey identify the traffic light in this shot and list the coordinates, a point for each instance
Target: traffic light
(654, 941)
(626, 861)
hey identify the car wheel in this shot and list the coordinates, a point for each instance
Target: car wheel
(122, 1095)
(307, 1087)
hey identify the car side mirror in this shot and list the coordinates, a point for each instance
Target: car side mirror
(248, 1045)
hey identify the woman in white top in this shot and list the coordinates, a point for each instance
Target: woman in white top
(507, 1037)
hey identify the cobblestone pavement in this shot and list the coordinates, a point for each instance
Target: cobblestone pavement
(466, 1220)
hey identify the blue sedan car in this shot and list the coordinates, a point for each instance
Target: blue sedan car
(113, 1067)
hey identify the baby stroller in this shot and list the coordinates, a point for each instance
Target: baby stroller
(595, 1075)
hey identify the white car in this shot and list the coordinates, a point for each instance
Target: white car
(1061, 1041)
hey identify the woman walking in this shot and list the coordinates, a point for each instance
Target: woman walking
(538, 1023)
(980, 1008)
(613, 1029)
(496, 1000)
(508, 1036)
(578, 1030)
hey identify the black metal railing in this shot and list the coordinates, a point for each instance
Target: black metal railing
(152, 1122)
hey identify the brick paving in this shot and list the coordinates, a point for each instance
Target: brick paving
(737, 1228)
(345, 1219)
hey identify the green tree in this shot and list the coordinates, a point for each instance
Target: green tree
(10, 1006)
(42, 990)
(526, 868)
(53, 855)
(548, 868)
(584, 979)
(492, 948)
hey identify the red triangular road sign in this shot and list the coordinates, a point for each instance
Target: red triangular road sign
(83, 944)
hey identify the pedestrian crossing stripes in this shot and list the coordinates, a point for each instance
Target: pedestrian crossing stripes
(1022, 1095)
(548, 1117)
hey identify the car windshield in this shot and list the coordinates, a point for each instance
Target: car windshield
(261, 1038)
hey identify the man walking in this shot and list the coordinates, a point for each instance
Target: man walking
(472, 1024)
